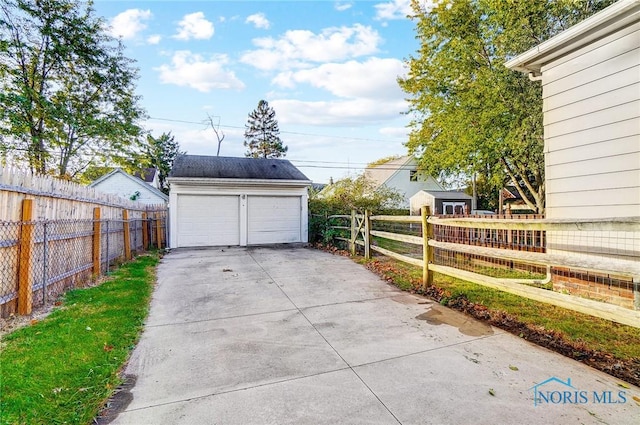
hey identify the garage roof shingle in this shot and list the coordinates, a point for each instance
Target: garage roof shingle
(221, 167)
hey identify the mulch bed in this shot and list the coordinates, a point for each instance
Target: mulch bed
(625, 369)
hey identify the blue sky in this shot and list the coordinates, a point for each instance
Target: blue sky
(328, 68)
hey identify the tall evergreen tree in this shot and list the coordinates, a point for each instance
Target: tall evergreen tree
(262, 135)
(160, 153)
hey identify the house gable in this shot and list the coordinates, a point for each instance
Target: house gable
(403, 176)
(126, 186)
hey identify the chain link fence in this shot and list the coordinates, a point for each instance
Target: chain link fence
(40, 260)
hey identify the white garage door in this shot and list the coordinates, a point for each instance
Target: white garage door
(273, 219)
(208, 220)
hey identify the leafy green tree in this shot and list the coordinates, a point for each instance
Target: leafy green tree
(67, 92)
(470, 114)
(262, 135)
(160, 153)
(359, 193)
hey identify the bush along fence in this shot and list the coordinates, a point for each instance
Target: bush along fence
(590, 266)
(57, 235)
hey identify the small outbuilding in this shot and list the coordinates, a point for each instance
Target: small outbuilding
(441, 202)
(224, 201)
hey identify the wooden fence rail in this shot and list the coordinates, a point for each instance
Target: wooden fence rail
(554, 246)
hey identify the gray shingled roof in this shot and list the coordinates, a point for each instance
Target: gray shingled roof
(220, 167)
(448, 194)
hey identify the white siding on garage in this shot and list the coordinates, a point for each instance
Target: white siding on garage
(274, 219)
(212, 220)
(592, 129)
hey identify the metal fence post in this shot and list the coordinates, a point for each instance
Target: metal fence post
(97, 263)
(107, 232)
(45, 258)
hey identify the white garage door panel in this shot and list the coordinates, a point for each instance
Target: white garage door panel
(273, 219)
(208, 220)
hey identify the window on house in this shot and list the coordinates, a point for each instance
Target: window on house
(413, 175)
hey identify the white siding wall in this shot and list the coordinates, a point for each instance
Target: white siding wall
(124, 187)
(401, 182)
(592, 129)
(421, 199)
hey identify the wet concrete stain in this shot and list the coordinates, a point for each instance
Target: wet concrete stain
(118, 402)
(439, 315)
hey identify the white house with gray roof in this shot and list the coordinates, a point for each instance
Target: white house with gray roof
(125, 185)
(223, 201)
(402, 175)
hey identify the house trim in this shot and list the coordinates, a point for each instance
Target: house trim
(607, 21)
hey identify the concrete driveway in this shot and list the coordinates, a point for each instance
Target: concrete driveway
(299, 336)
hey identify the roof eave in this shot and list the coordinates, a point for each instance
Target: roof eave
(616, 16)
(201, 181)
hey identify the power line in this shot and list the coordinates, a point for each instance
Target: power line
(363, 139)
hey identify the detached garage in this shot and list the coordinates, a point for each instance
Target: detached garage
(216, 201)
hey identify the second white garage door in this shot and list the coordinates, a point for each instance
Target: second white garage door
(208, 220)
(273, 219)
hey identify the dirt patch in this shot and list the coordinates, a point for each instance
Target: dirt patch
(13, 322)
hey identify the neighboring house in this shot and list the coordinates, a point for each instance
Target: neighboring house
(512, 202)
(129, 187)
(441, 202)
(590, 77)
(402, 175)
(151, 176)
(219, 201)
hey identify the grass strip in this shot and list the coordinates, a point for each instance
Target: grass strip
(63, 368)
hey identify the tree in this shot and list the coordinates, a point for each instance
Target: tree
(262, 135)
(67, 92)
(217, 131)
(359, 193)
(470, 114)
(160, 153)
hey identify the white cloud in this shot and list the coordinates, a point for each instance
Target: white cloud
(258, 20)
(129, 23)
(395, 132)
(194, 25)
(188, 69)
(374, 78)
(342, 6)
(400, 9)
(154, 39)
(339, 112)
(299, 48)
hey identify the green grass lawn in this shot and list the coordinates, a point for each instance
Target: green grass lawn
(63, 368)
(597, 334)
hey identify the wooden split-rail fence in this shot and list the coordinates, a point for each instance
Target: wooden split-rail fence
(602, 254)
